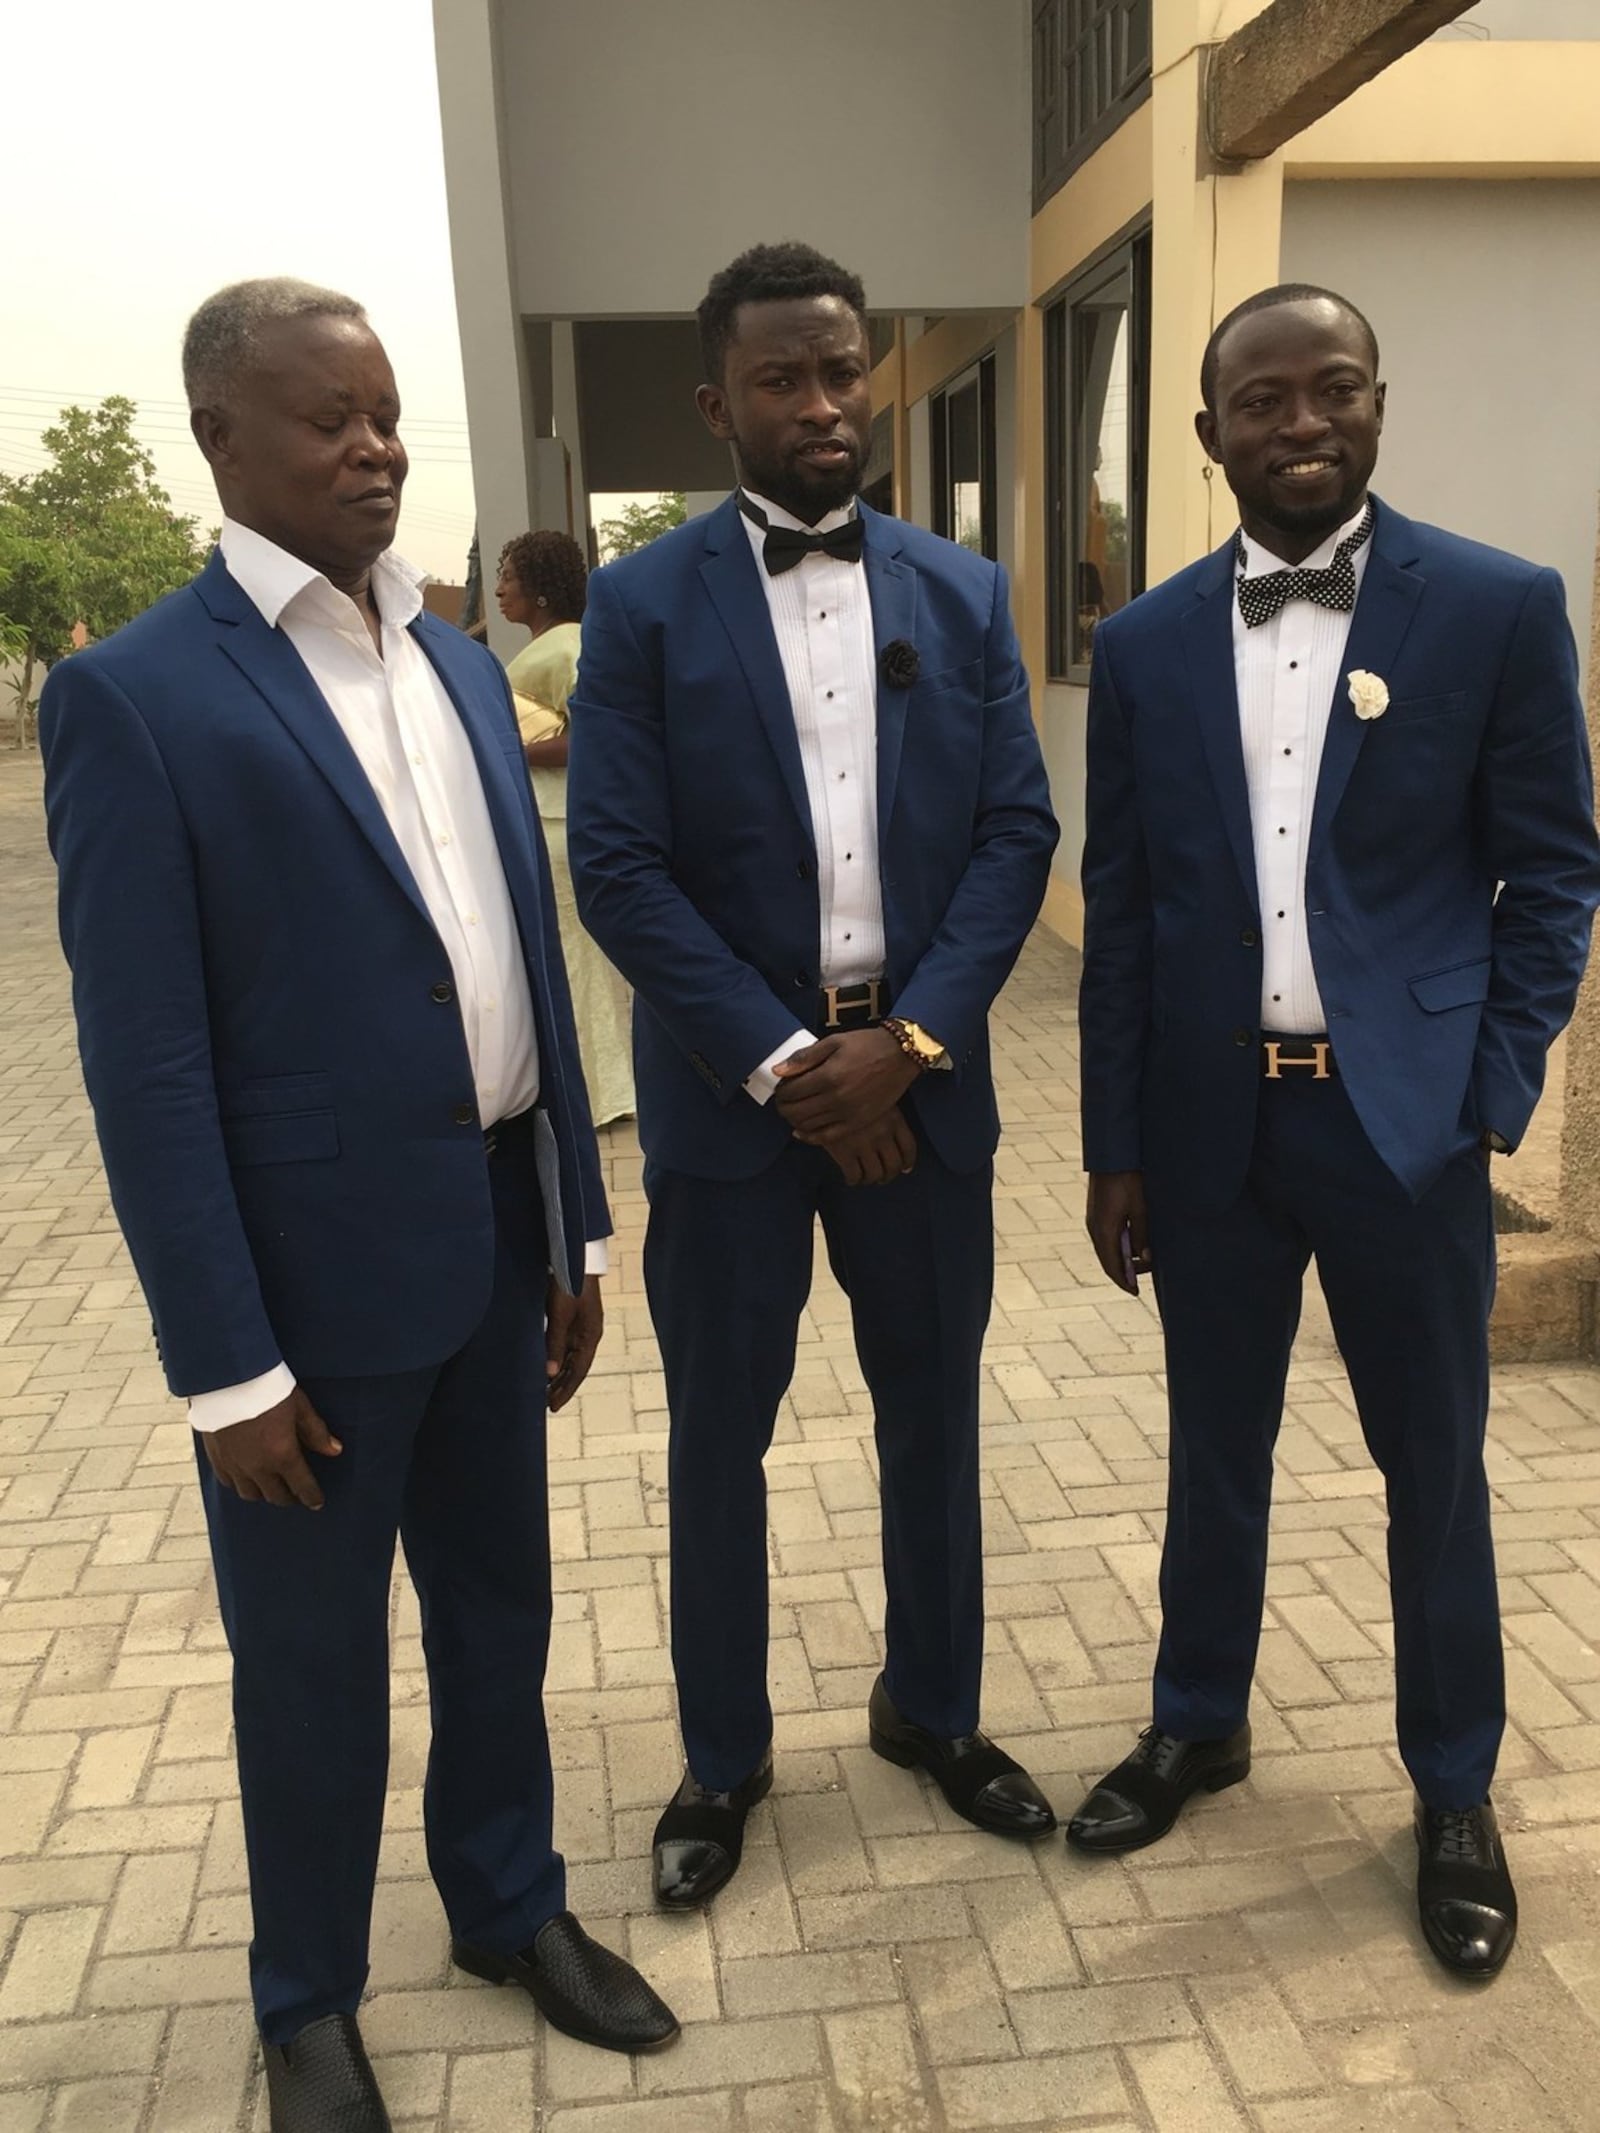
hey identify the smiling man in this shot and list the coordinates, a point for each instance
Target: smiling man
(326, 1031)
(1340, 874)
(808, 819)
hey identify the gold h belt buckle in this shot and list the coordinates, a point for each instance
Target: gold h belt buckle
(834, 1005)
(1316, 1059)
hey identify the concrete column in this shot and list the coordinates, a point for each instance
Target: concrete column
(493, 356)
(1580, 1126)
(1215, 239)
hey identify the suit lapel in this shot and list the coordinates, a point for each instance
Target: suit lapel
(730, 575)
(1390, 592)
(892, 589)
(272, 666)
(1213, 685)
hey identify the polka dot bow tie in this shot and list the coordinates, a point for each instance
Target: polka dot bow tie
(1262, 598)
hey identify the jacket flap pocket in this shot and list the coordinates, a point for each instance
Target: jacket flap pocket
(270, 1093)
(966, 676)
(282, 1137)
(1462, 985)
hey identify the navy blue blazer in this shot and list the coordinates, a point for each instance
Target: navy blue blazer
(285, 1107)
(1442, 997)
(690, 838)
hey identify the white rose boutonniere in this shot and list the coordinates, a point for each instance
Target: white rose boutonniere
(1369, 693)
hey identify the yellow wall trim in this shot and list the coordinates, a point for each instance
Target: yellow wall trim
(1464, 111)
(1100, 199)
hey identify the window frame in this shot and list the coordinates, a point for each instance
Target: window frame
(1059, 49)
(1128, 257)
(981, 371)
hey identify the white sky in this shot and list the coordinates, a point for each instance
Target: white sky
(157, 151)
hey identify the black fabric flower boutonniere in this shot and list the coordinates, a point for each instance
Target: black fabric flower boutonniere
(901, 664)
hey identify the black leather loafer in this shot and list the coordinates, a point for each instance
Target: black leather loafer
(322, 2081)
(1465, 1899)
(580, 1987)
(699, 1840)
(981, 1782)
(1141, 1799)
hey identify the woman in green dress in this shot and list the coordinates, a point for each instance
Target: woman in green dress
(541, 585)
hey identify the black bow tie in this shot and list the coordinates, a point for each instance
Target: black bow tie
(1262, 598)
(785, 546)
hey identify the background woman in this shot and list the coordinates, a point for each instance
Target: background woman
(541, 585)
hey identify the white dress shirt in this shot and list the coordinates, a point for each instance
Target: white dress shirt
(822, 618)
(408, 738)
(1288, 671)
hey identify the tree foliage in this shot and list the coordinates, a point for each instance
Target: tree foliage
(90, 538)
(638, 525)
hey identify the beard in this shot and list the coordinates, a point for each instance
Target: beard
(806, 492)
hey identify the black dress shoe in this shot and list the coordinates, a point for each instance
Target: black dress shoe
(322, 2081)
(699, 1840)
(1141, 1799)
(580, 1987)
(981, 1782)
(1464, 1894)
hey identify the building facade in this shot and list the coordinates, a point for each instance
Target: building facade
(1025, 187)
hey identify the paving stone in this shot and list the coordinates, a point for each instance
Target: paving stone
(876, 1965)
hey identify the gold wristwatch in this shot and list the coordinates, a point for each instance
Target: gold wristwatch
(915, 1042)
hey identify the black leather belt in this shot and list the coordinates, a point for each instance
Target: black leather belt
(506, 1130)
(1297, 1058)
(852, 1006)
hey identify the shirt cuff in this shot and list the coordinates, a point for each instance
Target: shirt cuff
(763, 1083)
(210, 1411)
(597, 1256)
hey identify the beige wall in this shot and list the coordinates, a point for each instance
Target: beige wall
(648, 143)
(1486, 301)
(1521, 21)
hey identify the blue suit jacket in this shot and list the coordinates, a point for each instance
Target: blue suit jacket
(689, 829)
(1442, 999)
(275, 1087)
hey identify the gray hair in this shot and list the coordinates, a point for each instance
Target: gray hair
(223, 337)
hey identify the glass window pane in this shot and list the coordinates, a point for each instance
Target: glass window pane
(966, 465)
(1103, 462)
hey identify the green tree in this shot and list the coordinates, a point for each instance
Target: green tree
(639, 524)
(90, 538)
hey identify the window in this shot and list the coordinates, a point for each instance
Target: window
(1097, 364)
(965, 493)
(877, 478)
(1091, 66)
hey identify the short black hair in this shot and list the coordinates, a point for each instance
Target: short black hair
(1286, 292)
(550, 565)
(769, 274)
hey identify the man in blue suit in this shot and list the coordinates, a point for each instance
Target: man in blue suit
(326, 1032)
(1340, 872)
(808, 819)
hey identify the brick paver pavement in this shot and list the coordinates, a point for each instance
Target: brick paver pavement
(877, 1964)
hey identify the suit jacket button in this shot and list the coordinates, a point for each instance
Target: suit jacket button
(465, 1114)
(802, 981)
(1243, 1036)
(1249, 938)
(803, 870)
(443, 993)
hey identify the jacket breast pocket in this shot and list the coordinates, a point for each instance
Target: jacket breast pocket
(968, 676)
(1415, 710)
(281, 1118)
(1459, 985)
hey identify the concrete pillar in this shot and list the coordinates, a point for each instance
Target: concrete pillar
(1580, 1126)
(493, 352)
(1214, 239)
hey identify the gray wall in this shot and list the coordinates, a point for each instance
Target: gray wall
(647, 143)
(1486, 301)
(1528, 21)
